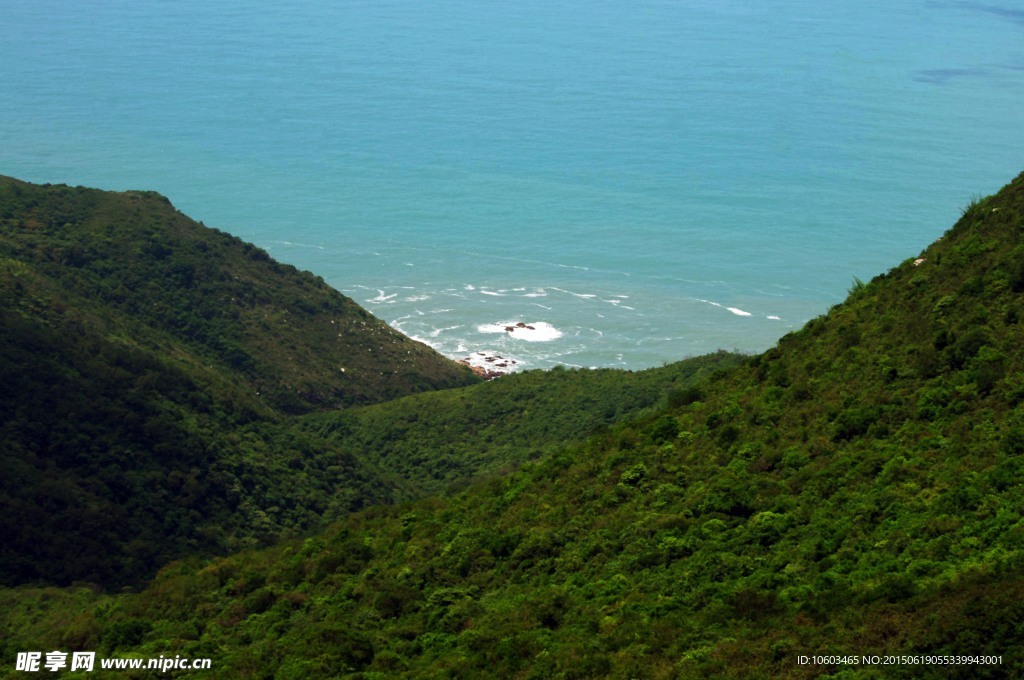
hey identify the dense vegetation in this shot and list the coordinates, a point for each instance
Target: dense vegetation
(146, 413)
(143, 274)
(437, 439)
(147, 365)
(855, 490)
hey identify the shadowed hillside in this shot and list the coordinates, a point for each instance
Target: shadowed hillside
(147, 363)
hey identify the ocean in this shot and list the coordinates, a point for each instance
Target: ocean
(635, 182)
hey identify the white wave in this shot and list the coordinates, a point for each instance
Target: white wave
(299, 245)
(774, 318)
(382, 298)
(537, 331)
(585, 296)
(735, 310)
(491, 292)
(416, 298)
(437, 331)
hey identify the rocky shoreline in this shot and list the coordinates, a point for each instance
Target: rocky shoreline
(488, 365)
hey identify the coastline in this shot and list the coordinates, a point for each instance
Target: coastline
(489, 365)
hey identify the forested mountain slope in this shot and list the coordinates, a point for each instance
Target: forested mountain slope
(151, 368)
(143, 273)
(437, 439)
(854, 491)
(147, 364)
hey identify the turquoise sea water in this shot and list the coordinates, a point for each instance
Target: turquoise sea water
(639, 181)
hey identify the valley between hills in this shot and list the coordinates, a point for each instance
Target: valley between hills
(211, 454)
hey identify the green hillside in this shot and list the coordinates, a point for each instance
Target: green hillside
(438, 439)
(148, 364)
(156, 374)
(134, 268)
(853, 491)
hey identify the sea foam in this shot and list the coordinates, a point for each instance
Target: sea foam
(535, 331)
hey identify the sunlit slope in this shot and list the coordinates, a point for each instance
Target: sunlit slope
(438, 439)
